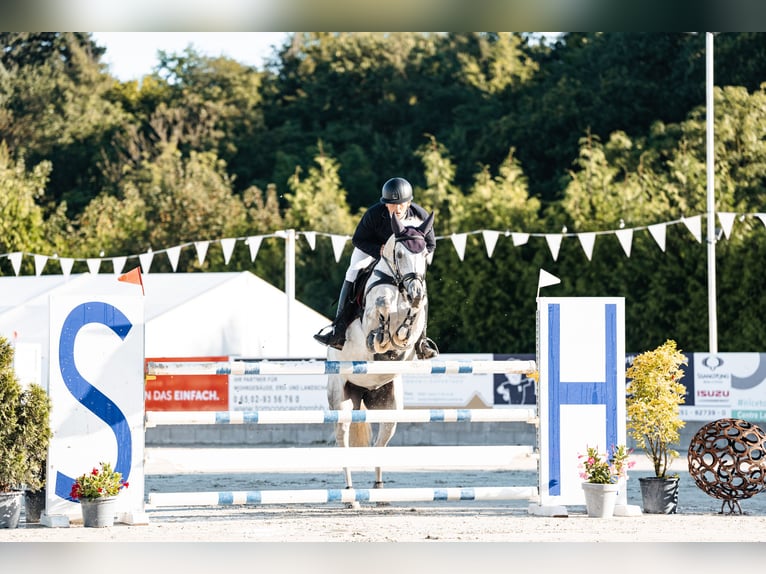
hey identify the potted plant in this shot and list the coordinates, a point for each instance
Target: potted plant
(653, 396)
(602, 474)
(24, 437)
(97, 492)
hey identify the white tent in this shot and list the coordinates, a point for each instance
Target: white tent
(186, 315)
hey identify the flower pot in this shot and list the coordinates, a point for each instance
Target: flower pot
(600, 499)
(98, 512)
(659, 495)
(10, 508)
(34, 504)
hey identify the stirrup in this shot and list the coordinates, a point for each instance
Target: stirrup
(426, 349)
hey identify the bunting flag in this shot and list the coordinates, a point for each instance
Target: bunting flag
(727, 222)
(66, 265)
(228, 248)
(93, 265)
(658, 232)
(458, 241)
(338, 243)
(173, 254)
(311, 238)
(40, 261)
(762, 217)
(490, 240)
(133, 276)
(118, 264)
(519, 238)
(146, 261)
(554, 243)
(587, 241)
(201, 247)
(694, 225)
(626, 239)
(254, 243)
(546, 279)
(15, 261)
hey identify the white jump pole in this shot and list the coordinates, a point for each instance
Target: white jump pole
(346, 495)
(159, 418)
(433, 367)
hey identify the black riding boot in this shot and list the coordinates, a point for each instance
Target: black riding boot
(334, 335)
(425, 348)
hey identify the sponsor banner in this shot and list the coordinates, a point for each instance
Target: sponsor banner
(513, 389)
(187, 392)
(277, 392)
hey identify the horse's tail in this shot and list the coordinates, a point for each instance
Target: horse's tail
(360, 434)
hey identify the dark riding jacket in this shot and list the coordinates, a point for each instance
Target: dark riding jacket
(375, 228)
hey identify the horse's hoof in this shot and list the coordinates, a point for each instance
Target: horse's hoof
(353, 505)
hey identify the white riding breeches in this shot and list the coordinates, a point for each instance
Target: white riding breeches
(359, 260)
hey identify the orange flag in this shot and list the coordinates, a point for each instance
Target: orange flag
(133, 276)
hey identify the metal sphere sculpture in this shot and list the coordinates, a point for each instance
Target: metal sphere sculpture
(727, 460)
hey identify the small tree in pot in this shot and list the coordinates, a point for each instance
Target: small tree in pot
(24, 437)
(654, 394)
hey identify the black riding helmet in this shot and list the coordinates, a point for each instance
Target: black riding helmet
(396, 190)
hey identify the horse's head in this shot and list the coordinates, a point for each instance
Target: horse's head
(408, 254)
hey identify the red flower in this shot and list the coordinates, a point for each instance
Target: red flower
(124, 485)
(94, 472)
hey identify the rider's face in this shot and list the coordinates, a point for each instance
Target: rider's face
(398, 209)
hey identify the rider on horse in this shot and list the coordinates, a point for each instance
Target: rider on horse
(370, 236)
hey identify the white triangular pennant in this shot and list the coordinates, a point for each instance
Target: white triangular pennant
(458, 240)
(254, 243)
(40, 261)
(146, 261)
(490, 240)
(519, 238)
(727, 222)
(554, 243)
(587, 240)
(658, 232)
(694, 224)
(311, 238)
(173, 255)
(93, 265)
(338, 243)
(66, 265)
(547, 279)
(15, 261)
(228, 248)
(118, 263)
(762, 217)
(201, 247)
(626, 239)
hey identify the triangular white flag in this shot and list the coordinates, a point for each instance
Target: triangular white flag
(146, 261)
(201, 247)
(587, 240)
(762, 217)
(311, 237)
(338, 243)
(118, 264)
(490, 240)
(173, 255)
(554, 243)
(40, 261)
(519, 238)
(458, 240)
(254, 243)
(228, 248)
(15, 261)
(727, 222)
(66, 265)
(93, 265)
(547, 279)
(658, 232)
(626, 239)
(694, 224)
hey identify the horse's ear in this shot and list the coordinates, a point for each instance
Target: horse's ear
(396, 225)
(426, 226)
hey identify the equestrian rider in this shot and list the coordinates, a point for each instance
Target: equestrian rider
(370, 236)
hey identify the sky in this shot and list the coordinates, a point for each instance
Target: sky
(131, 55)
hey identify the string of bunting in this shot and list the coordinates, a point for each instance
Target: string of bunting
(587, 241)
